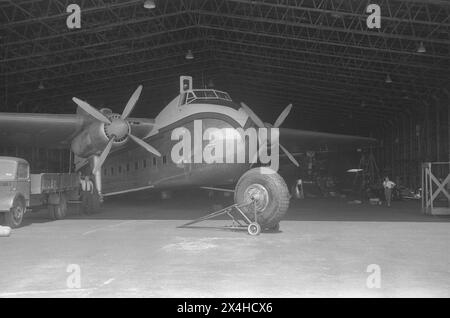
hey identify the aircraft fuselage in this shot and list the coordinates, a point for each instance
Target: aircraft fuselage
(133, 168)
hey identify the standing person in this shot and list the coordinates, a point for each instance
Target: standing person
(87, 192)
(388, 185)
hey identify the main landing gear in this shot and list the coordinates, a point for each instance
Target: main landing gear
(261, 200)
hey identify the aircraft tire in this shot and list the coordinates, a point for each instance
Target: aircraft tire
(271, 196)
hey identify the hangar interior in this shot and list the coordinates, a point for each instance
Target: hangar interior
(319, 55)
(391, 83)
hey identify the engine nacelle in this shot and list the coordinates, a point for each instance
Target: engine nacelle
(90, 141)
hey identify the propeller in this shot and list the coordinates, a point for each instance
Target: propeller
(277, 124)
(116, 127)
(131, 102)
(91, 110)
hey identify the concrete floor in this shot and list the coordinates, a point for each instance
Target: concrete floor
(133, 248)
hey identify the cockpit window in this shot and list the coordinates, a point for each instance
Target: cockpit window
(210, 94)
(190, 97)
(223, 95)
(199, 94)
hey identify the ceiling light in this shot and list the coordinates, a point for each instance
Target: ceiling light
(189, 55)
(421, 48)
(388, 79)
(149, 4)
(355, 170)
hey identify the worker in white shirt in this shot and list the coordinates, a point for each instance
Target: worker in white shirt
(87, 193)
(388, 185)
(297, 191)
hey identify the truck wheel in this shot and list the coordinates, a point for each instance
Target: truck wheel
(14, 217)
(269, 193)
(58, 212)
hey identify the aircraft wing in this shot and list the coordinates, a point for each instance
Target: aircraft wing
(44, 130)
(296, 140)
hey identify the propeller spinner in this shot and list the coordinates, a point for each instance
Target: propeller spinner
(277, 124)
(117, 128)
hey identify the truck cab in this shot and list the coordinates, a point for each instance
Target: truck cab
(14, 189)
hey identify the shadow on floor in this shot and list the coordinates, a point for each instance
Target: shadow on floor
(192, 204)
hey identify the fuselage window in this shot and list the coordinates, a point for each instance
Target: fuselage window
(104, 172)
(128, 167)
(154, 161)
(136, 165)
(164, 159)
(120, 169)
(144, 163)
(112, 170)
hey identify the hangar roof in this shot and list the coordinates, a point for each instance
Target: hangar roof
(318, 54)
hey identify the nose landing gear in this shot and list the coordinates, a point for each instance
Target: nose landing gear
(261, 200)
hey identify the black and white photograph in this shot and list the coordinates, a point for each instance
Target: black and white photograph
(224, 153)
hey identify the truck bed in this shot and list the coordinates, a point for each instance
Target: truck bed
(53, 182)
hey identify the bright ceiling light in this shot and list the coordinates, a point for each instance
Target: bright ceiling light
(421, 48)
(355, 170)
(189, 55)
(149, 4)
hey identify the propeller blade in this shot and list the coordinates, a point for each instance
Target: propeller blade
(290, 156)
(91, 110)
(145, 145)
(253, 116)
(282, 116)
(103, 156)
(131, 102)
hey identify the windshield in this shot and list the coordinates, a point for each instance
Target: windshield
(7, 170)
(199, 94)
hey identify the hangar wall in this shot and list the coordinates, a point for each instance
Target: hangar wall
(420, 135)
(41, 159)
